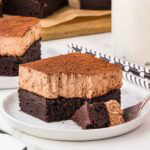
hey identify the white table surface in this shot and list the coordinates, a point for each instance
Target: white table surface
(137, 139)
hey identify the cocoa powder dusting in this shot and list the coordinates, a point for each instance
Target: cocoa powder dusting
(16, 26)
(74, 63)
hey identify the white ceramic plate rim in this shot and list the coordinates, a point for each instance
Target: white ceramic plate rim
(4, 112)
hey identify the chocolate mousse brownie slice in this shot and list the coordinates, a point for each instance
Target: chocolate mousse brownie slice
(1, 9)
(19, 43)
(99, 115)
(34, 8)
(53, 89)
(91, 4)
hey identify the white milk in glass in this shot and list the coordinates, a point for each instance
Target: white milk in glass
(131, 29)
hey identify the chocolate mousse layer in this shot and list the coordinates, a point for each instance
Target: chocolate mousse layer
(72, 75)
(99, 115)
(91, 4)
(34, 8)
(19, 43)
(59, 109)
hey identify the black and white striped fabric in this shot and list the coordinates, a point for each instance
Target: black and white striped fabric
(133, 73)
(136, 80)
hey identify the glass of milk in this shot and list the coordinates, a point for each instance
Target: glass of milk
(131, 30)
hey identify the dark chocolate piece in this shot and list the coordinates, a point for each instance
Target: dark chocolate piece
(9, 65)
(50, 110)
(34, 8)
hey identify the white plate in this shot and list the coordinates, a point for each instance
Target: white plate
(8, 82)
(68, 130)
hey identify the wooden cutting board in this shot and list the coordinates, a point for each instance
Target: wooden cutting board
(69, 22)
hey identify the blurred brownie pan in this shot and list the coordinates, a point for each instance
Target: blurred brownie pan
(53, 89)
(91, 4)
(34, 8)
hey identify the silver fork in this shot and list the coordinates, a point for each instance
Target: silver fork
(135, 111)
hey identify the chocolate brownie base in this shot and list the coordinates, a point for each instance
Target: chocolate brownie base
(9, 66)
(34, 8)
(95, 4)
(50, 110)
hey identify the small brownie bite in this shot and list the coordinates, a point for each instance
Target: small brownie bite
(1, 9)
(19, 43)
(34, 8)
(53, 89)
(99, 115)
(91, 4)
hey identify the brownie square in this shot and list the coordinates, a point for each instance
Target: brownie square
(20, 43)
(34, 8)
(58, 109)
(91, 4)
(63, 83)
(1, 9)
